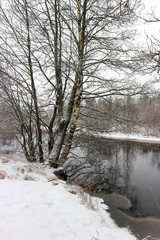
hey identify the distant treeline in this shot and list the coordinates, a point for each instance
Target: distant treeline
(125, 114)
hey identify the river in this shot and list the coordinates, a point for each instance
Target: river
(137, 179)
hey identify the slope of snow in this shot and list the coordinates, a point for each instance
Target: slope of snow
(35, 205)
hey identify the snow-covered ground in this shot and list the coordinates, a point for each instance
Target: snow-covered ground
(35, 205)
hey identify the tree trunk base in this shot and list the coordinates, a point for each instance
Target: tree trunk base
(53, 164)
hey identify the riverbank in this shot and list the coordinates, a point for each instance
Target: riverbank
(36, 205)
(125, 137)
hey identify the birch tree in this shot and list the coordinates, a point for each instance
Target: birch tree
(64, 52)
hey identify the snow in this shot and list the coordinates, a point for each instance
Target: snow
(35, 205)
(123, 136)
(131, 137)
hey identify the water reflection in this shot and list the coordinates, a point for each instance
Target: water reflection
(138, 171)
(138, 175)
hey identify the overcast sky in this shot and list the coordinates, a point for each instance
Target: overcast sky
(152, 4)
(152, 28)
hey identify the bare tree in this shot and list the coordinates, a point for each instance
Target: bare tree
(19, 111)
(68, 51)
(6, 129)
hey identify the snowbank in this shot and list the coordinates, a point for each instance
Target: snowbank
(123, 136)
(35, 205)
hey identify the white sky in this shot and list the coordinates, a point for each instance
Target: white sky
(152, 6)
(150, 29)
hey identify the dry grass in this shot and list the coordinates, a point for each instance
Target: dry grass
(55, 183)
(29, 178)
(73, 191)
(5, 158)
(2, 174)
(20, 169)
(86, 198)
(53, 178)
(151, 238)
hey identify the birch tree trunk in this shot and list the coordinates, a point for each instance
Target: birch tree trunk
(81, 34)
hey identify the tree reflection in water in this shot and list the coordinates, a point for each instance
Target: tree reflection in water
(136, 170)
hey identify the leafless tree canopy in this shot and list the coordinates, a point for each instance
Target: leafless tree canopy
(57, 54)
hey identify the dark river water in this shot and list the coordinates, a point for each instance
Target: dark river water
(137, 177)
